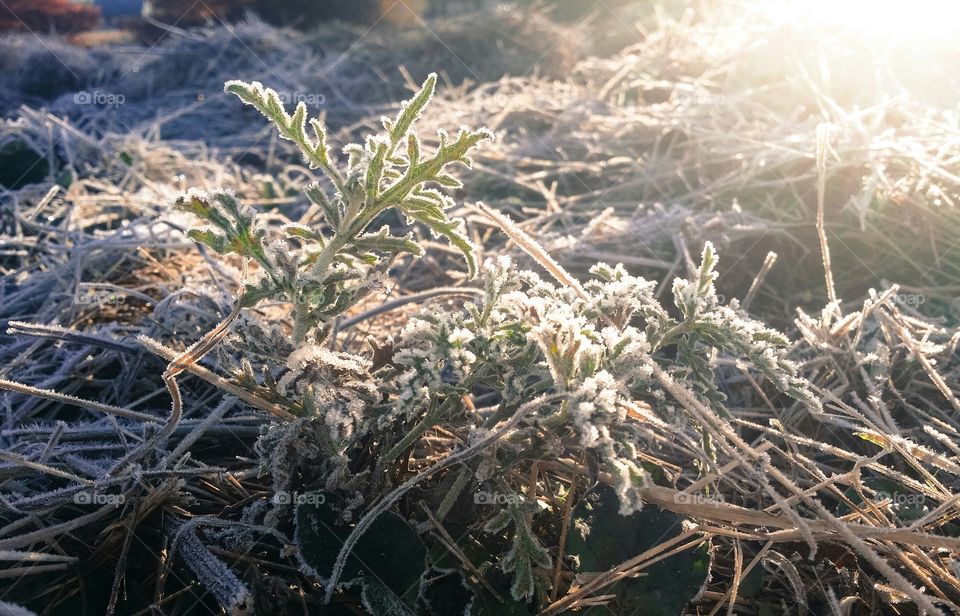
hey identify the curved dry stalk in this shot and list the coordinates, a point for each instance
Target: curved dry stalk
(216, 380)
(180, 363)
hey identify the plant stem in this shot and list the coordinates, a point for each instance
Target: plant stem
(453, 494)
(429, 420)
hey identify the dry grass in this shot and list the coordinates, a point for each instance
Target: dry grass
(637, 158)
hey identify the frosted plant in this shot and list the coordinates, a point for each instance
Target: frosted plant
(530, 336)
(322, 272)
(560, 367)
(726, 329)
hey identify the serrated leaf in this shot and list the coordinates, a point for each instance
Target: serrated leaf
(375, 172)
(423, 211)
(601, 538)
(411, 110)
(331, 212)
(292, 128)
(413, 149)
(193, 204)
(447, 594)
(298, 121)
(525, 554)
(448, 181)
(384, 243)
(484, 602)
(253, 294)
(211, 239)
(708, 261)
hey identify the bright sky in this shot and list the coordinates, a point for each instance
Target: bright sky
(915, 19)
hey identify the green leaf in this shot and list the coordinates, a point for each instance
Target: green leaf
(752, 583)
(375, 173)
(331, 212)
(485, 603)
(253, 294)
(706, 275)
(387, 564)
(411, 110)
(239, 235)
(447, 594)
(298, 230)
(292, 128)
(601, 539)
(194, 204)
(211, 239)
(448, 181)
(421, 210)
(384, 243)
(298, 122)
(525, 554)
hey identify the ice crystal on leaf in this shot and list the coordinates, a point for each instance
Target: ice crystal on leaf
(526, 553)
(334, 386)
(322, 272)
(530, 336)
(559, 366)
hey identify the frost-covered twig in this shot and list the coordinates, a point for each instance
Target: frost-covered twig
(74, 401)
(232, 594)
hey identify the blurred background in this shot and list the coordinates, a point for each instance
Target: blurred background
(647, 123)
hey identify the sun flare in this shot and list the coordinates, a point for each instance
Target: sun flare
(917, 20)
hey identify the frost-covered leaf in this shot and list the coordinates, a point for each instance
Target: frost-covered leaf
(447, 593)
(239, 231)
(293, 128)
(730, 331)
(600, 538)
(384, 243)
(433, 216)
(526, 553)
(484, 602)
(411, 110)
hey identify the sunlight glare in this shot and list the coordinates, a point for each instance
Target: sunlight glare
(913, 19)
